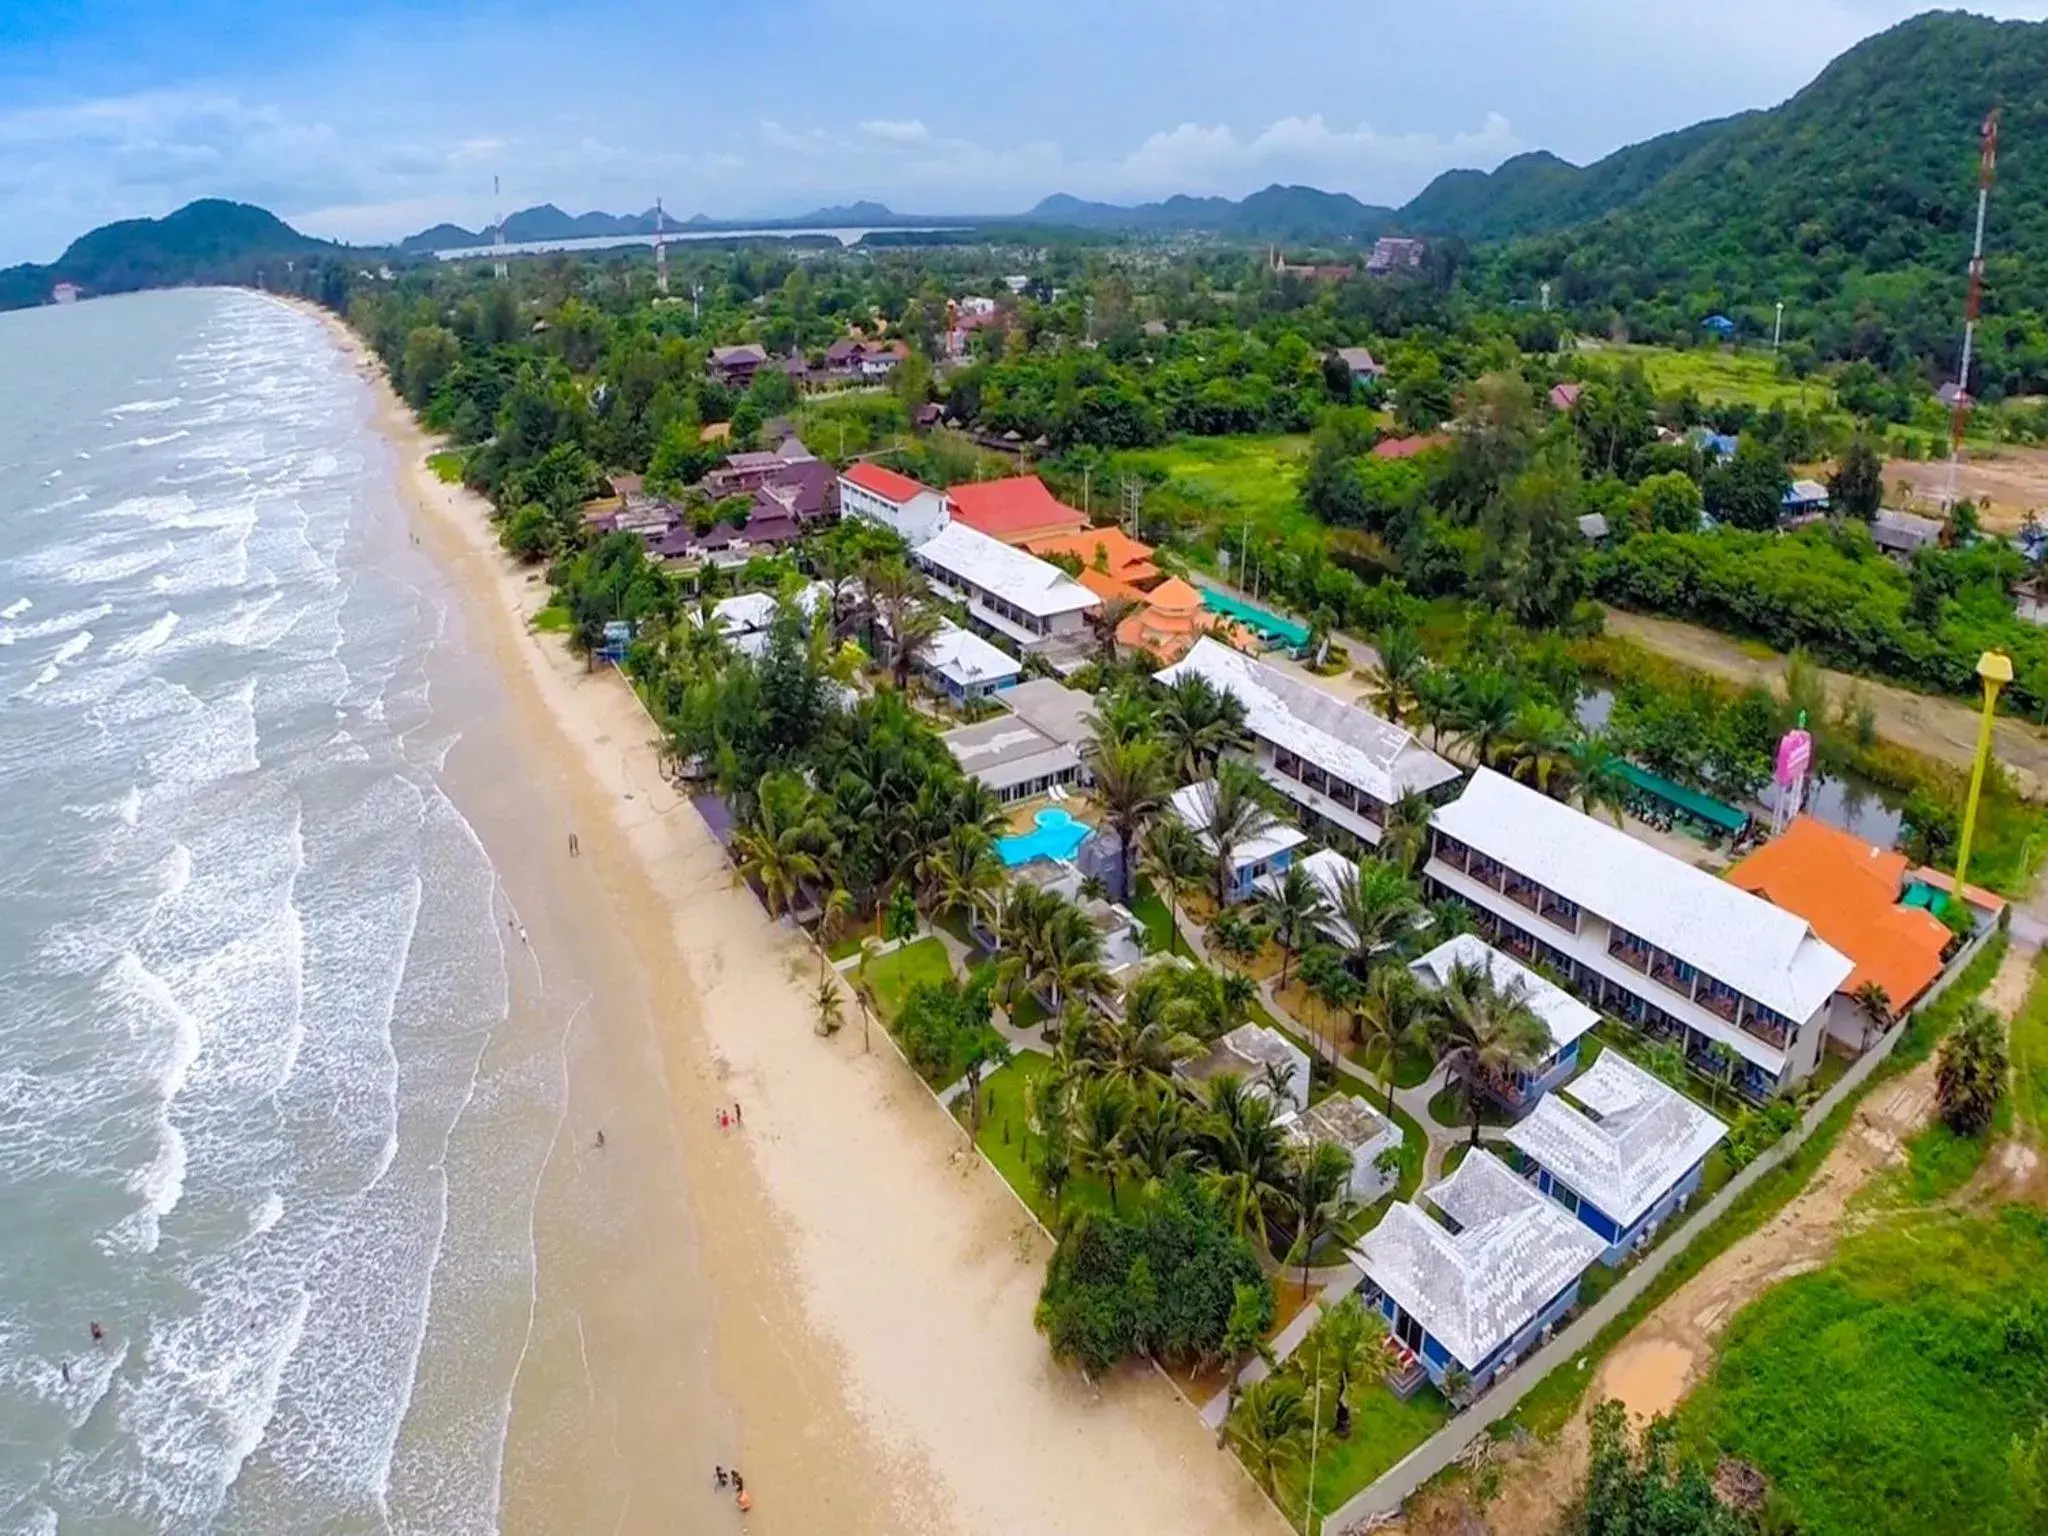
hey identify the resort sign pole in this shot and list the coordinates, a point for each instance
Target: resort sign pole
(1995, 667)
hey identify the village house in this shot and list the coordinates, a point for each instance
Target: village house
(1473, 1274)
(1408, 447)
(1619, 1149)
(1566, 1018)
(1266, 1059)
(1743, 988)
(1904, 534)
(1013, 758)
(879, 359)
(1018, 510)
(735, 367)
(963, 666)
(1252, 861)
(1107, 553)
(1364, 367)
(1804, 498)
(881, 495)
(1390, 254)
(1369, 1139)
(1343, 766)
(749, 471)
(1034, 605)
(1564, 396)
(747, 619)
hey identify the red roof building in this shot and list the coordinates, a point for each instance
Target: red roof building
(1017, 510)
(1565, 396)
(1408, 447)
(883, 482)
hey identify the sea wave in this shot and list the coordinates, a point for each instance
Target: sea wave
(143, 407)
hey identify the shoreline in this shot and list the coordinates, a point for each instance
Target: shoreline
(872, 1281)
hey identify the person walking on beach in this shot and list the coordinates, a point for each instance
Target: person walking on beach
(600, 1138)
(721, 1119)
(575, 848)
(735, 1111)
(719, 1473)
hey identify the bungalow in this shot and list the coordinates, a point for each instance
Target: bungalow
(1013, 758)
(1343, 766)
(1025, 600)
(1052, 709)
(742, 472)
(1904, 534)
(1390, 254)
(1363, 366)
(1170, 619)
(1804, 498)
(1125, 956)
(844, 354)
(1250, 861)
(963, 666)
(881, 495)
(1408, 447)
(879, 359)
(1369, 1139)
(735, 367)
(1017, 510)
(1329, 871)
(1619, 1149)
(1261, 1055)
(1473, 1274)
(1564, 1016)
(1730, 979)
(747, 619)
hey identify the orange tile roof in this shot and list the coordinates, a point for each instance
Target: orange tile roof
(1123, 558)
(883, 481)
(1017, 510)
(1849, 892)
(1172, 620)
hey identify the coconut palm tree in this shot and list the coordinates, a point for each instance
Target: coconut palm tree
(1373, 907)
(1390, 686)
(828, 1007)
(1172, 857)
(1140, 1048)
(1876, 1004)
(1330, 982)
(1295, 911)
(1129, 782)
(780, 848)
(1246, 1153)
(1404, 840)
(1390, 1014)
(1597, 782)
(1238, 992)
(1270, 1426)
(1228, 814)
(1122, 714)
(1485, 714)
(1539, 745)
(834, 907)
(1199, 723)
(962, 874)
(1065, 958)
(1105, 620)
(1157, 1142)
(1235, 937)
(1102, 1128)
(1318, 1199)
(1485, 1030)
(1349, 1344)
(912, 624)
(1048, 1109)
(1436, 702)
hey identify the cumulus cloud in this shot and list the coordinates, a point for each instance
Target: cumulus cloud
(1212, 159)
(886, 132)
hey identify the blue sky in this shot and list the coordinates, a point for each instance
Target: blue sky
(367, 120)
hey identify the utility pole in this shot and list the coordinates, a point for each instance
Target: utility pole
(1545, 300)
(1134, 501)
(1778, 327)
(1987, 168)
(1085, 471)
(660, 251)
(499, 266)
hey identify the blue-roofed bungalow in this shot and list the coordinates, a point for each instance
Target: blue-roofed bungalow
(1620, 1149)
(1473, 1274)
(1720, 325)
(1250, 861)
(1563, 1015)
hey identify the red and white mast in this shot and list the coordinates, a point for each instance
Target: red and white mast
(1987, 168)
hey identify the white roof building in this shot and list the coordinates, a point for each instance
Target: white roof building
(1008, 753)
(1562, 1014)
(747, 618)
(1362, 1133)
(969, 559)
(1769, 954)
(1623, 1142)
(968, 661)
(1192, 803)
(1477, 1281)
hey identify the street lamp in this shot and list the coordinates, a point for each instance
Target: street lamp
(1778, 326)
(1995, 668)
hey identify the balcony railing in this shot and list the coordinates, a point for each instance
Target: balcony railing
(1723, 1005)
(1665, 970)
(1566, 918)
(1629, 955)
(1775, 1035)
(1524, 893)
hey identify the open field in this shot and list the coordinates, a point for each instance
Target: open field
(1719, 376)
(1217, 482)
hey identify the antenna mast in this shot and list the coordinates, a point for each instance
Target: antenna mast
(660, 250)
(1987, 168)
(499, 265)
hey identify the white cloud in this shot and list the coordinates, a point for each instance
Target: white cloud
(1214, 159)
(886, 132)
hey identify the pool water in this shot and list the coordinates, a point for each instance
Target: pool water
(1269, 626)
(1054, 835)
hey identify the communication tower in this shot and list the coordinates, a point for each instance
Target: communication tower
(499, 265)
(660, 250)
(1987, 169)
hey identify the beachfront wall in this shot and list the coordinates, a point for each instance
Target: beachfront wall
(1621, 1241)
(1437, 1361)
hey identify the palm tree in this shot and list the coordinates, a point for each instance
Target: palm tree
(1295, 910)
(1436, 702)
(1373, 906)
(1066, 956)
(1246, 1152)
(1349, 1344)
(1597, 781)
(1485, 1030)
(1102, 1125)
(829, 1008)
(833, 908)
(1199, 723)
(1122, 715)
(1106, 618)
(1404, 840)
(1140, 1048)
(1319, 1198)
(1130, 781)
(780, 849)
(1157, 1142)
(962, 873)
(1330, 982)
(1227, 815)
(1048, 1107)
(1876, 1004)
(897, 592)
(1539, 745)
(1172, 856)
(1270, 1425)
(1970, 1073)
(1234, 936)
(1391, 685)
(1389, 1015)
(1485, 713)
(1238, 992)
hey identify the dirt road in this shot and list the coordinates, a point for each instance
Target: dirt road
(1944, 729)
(1653, 1369)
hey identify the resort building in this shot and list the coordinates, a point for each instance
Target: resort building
(1106, 554)
(1728, 978)
(1017, 510)
(1171, 618)
(1343, 766)
(1619, 1149)
(1266, 1059)
(747, 619)
(1362, 1133)
(1035, 606)
(1013, 757)
(1856, 897)
(881, 495)
(963, 666)
(1251, 862)
(1473, 1274)
(1563, 1015)
(1053, 710)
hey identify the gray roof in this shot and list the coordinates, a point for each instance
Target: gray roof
(1344, 1120)
(1593, 525)
(1904, 531)
(1052, 709)
(1476, 1287)
(1359, 360)
(1008, 751)
(1246, 1050)
(1562, 1014)
(1635, 1137)
(745, 352)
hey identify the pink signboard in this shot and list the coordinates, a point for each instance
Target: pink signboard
(1795, 757)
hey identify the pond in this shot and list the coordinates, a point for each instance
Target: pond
(1861, 806)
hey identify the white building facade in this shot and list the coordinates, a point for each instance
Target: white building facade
(878, 495)
(1030, 602)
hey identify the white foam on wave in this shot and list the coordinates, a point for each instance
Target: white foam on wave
(152, 442)
(62, 624)
(73, 648)
(130, 807)
(160, 1182)
(17, 608)
(143, 407)
(151, 639)
(266, 1215)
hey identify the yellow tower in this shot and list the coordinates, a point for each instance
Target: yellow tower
(1995, 668)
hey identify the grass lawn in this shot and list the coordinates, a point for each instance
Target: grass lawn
(1006, 1133)
(1383, 1430)
(1748, 377)
(894, 974)
(1150, 909)
(552, 620)
(847, 947)
(1217, 482)
(446, 465)
(1447, 1107)
(1939, 1162)
(1883, 1392)
(2029, 1047)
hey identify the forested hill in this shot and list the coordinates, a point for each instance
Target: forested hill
(206, 241)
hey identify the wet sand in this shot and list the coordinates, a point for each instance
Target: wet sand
(840, 1296)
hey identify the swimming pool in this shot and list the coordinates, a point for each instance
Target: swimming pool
(1269, 626)
(1054, 835)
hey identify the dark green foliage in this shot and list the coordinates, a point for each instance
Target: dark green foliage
(209, 241)
(1747, 490)
(1970, 1073)
(1856, 488)
(943, 1026)
(1162, 1282)
(1641, 1487)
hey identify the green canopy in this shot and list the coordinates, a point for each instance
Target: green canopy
(1701, 807)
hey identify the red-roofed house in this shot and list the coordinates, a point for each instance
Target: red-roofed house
(1565, 396)
(1408, 447)
(881, 495)
(1018, 510)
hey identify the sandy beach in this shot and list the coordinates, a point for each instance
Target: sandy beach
(854, 1327)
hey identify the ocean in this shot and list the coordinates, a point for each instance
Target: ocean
(254, 960)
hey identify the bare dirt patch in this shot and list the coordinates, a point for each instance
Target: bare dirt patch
(2005, 483)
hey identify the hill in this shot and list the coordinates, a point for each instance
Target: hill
(1277, 213)
(206, 241)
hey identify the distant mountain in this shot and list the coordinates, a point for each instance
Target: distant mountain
(444, 237)
(1277, 213)
(862, 212)
(206, 241)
